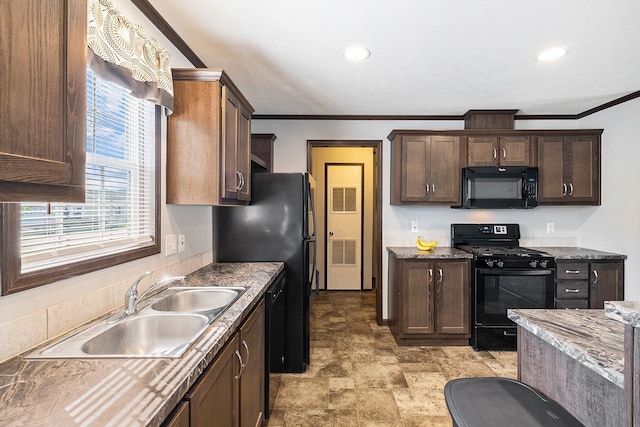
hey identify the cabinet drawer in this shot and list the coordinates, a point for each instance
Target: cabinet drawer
(572, 303)
(572, 270)
(573, 289)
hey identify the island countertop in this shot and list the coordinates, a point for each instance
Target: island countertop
(588, 336)
(627, 312)
(131, 392)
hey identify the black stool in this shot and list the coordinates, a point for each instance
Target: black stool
(502, 402)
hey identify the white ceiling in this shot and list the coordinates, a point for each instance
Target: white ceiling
(429, 57)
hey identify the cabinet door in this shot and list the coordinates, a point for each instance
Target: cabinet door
(43, 109)
(583, 182)
(244, 154)
(417, 298)
(452, 296)
(179, 417)
(514, 151)
(482, 151)
(214, 400)
(551, 170)
(444, 169)
(231, 126)
(607, 283)
(415, 158)
(253, 372)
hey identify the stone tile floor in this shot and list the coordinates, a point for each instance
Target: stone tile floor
(359, 376)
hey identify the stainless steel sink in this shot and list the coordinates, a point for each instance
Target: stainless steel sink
(166, 327)
(149, 335)
(197, 300)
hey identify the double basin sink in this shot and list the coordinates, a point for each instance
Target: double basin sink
(164, 328)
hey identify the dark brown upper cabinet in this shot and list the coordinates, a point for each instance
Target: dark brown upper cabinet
(208, 140)
(425, 169)
(43, 46)
(569, 168)
(499, 150)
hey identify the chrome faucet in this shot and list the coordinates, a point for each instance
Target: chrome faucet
(131, 298)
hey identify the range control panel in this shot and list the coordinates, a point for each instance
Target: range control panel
(492, 229)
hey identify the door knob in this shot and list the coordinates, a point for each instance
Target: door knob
(331, 234)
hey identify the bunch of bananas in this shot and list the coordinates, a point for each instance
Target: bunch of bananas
(425, 246)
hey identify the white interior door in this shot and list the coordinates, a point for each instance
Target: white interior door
(344, 226)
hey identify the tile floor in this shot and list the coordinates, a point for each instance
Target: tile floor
(360, 377)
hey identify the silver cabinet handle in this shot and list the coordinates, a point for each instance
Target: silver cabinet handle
(572, 271)
(571, 291)
(433, 189)
(430, 275)
(570, 189)
(239, 184)
(595, 277)
(440, 275)
(246, 348)
(504, 153)
(495, 154)
(564, 189)
(237, 377)
(427, 188)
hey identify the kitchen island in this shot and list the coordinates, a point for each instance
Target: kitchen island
(575, 357)
(127, 391)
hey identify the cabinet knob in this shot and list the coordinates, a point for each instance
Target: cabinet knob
(595, 277)
(495, 154)
(570, 189)
(427, 188)
(564, 189)
(440, 275)
(504, 153)
(433, 188)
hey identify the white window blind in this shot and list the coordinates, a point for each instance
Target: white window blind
(119, 212)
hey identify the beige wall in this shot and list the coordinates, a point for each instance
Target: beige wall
(322, 155)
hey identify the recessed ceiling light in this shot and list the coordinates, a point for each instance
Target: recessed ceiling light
(551, 54)
(356, 53)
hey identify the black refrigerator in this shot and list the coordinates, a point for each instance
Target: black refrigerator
(278, 225)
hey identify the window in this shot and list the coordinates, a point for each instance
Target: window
(118, 222)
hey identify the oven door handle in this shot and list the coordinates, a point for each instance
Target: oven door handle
(511, 272)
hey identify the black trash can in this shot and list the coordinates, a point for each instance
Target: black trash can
(502, 402)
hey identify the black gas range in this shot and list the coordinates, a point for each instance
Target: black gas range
(505, 276)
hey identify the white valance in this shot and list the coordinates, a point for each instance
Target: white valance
(121, 52)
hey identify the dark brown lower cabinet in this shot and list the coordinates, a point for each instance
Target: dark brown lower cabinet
(585, 284)
(231, 391)
(179, 417)
(429, 301)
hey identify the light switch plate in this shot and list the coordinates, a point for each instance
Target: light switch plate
(414, 226)
(181, 243)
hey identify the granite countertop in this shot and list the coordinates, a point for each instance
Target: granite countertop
(574, 253)
(587, 336)
(627, 312)
(411, 252)
(131, 392)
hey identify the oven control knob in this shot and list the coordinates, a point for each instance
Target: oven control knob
(533, 264)
(500, 263)
(489, 263)
(543, 264)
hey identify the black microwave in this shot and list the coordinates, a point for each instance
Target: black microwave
(498, 187)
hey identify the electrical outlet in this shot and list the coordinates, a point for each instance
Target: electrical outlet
(181, 243)
(170, 244)
(551, 227)
(414, 226)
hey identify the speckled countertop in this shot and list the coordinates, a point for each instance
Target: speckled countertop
(131, 392)
(411, 252)
(587, 336)
(627, 312)
(574, 253)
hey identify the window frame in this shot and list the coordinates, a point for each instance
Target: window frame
(13, 280)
